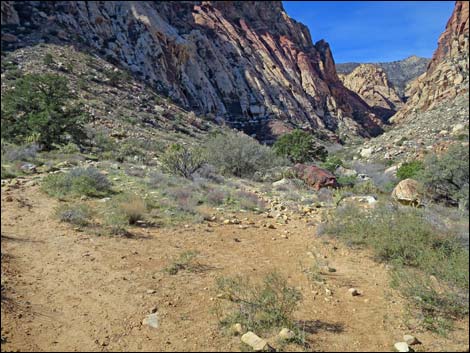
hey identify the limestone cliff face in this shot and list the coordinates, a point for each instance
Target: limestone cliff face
(371, 83)
(242, 62)
(447, 73)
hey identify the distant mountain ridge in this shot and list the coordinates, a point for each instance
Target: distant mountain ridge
(399, 73)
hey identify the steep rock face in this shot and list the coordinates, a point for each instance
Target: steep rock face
(246, 63)
(371, 83)
(447, 73)
(400, 73)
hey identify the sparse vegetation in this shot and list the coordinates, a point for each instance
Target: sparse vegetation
(186, 261)
(407, 240)
(77, 182)
(258, 307)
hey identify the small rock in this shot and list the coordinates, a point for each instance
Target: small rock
(410, 340)
(286, 334)
(401, 347)
(354, 292)
(151, 320)
(237, 329)
(151, 291)
(256, 343)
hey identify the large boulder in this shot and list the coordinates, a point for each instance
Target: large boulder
(407, 192)
(314, 176)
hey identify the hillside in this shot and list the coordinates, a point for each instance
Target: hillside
(400, 72)
(247, 63)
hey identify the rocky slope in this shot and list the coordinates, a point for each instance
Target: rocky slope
(400, 73)
(447, 73)
(247, 63)
(371, 83)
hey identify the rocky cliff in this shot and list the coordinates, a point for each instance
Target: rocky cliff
(447, 74)
(246, 63)
(371, 83)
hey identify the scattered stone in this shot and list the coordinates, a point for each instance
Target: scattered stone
(286, 334)
(345, 172)
(401, 347)
(28, 168)
(410, 340)
(151, 291)
(8, 199)
(237, 329)
(151, 320)
(354, 292)
(366, 152)
(256, 343)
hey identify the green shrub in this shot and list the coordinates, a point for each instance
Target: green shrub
(258, 307)
(181, 160)
(447, 177)
(332, 163)
(237, 154)
(410, 170)
(116, 77)
(300, 147)
(48, 59)
(77, 182)
(78, 215)
(39, 108)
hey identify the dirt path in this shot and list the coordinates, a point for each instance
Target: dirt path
(72, 291)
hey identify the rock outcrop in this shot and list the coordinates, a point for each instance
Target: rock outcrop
(245, 63)
(371, 83)
(447, 73)
(400, 73)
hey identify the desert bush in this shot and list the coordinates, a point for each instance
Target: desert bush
(258, 307)
(238, 154)
(48, 59)
(209, 172)
(186, 197)
(216, 197)
(410, 170)
(78, 181)
(7, 173)
(186, 261)
(300, 147)
(77, 214)
(130, 208)
(332, 163)
(249, 201)
(39, 108)
(446, 177)
(181, 160)
(117, 77)
(14, 153)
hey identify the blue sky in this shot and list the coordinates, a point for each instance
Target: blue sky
(374, 31)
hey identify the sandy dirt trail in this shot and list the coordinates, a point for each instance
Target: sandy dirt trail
(65, 290)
